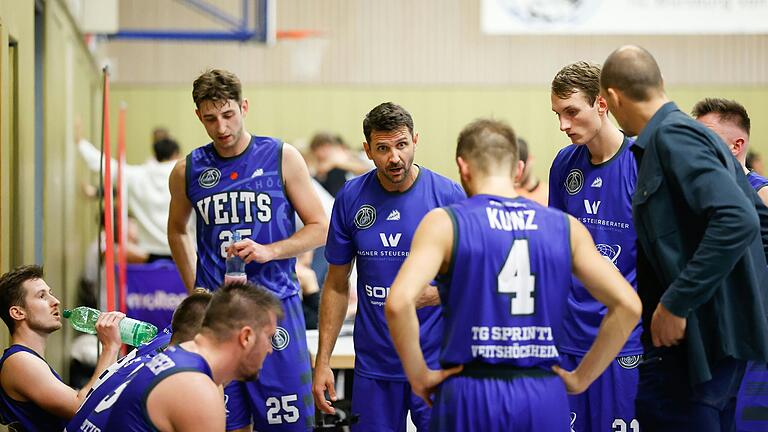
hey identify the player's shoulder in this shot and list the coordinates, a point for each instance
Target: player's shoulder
(355, 186)
(568, 156)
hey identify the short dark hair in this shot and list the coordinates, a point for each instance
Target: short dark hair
(580, 76)
(188, 316)
(235, 305)
(218, 86)
(633, 71)
(752, 157)
(386, 117)
(12, 290)
(488, 143)
(728, 110)
(321, 139)
(165, 149)
(522, 149)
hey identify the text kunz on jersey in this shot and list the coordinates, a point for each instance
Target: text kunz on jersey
(509, 220)
(235, 207)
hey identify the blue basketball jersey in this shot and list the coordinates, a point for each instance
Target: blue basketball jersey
(117, 374)
(124, 409)
(374, 227)
(600, 196)
(504, 295)
(757, 181)
(244, 193)
(26, 416)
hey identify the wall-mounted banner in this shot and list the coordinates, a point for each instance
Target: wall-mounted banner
(624, 16)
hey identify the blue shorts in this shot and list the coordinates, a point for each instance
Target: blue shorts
(752, 399)
(494, 404)
(609, 403)
(281, 399)
(383, 406)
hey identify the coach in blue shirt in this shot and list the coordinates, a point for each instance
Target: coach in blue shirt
(701, 264)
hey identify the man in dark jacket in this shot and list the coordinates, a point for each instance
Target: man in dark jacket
(701, 263)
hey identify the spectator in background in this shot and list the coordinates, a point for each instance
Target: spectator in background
(147, 192)
(530, 186)
(334, 163)
(754, 162)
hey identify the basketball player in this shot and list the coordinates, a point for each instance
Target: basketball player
(372, 223)
(593, 179)
(185, 324)
(250, 185)
(729, 119)
(32, 395)
(504, 266)
(177, 390)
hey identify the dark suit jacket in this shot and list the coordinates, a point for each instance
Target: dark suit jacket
(699, 236)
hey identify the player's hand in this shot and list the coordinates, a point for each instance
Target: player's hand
(322, 380)
(667, 329)
(249, 251)
(426, 384)
(108, 329)
(573, 382)
(428, 297)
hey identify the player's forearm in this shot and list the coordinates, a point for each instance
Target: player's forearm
(615, 329)
(310, 237)
(403, 326)
(183, 255)
(333, 309)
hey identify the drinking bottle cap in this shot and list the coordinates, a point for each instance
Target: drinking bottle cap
(67, 313)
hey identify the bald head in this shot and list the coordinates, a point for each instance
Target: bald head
(634, 72)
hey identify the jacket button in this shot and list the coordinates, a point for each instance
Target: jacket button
(645, 193)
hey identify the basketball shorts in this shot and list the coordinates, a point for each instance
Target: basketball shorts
(383, 406)
(281, 398)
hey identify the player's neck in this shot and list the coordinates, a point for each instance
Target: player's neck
(606, 143)
(236, 150)
(221, 361)
(30, 339)
(497, 185)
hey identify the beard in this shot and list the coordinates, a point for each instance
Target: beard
(43, 326)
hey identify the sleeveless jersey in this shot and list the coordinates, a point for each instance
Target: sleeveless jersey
(26, 416)
(124, 409)
(600, 196)
(374, 227)
(244, 193)
(504, 295)
(117, 374)
(757, 181)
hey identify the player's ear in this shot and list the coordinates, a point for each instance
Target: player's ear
(602, 105)
(246, 336)
(244, 106)
(519, 168)
(415, 138)
(199, 116)
(463, 168)
(367, 148)
(17, 312)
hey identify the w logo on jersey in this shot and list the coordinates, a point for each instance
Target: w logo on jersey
(591, 206)
(391, 241)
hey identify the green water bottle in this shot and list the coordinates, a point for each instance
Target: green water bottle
(132, 332)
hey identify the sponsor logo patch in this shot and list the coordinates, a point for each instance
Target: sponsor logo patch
(630, 362)
(281, 339)
(574, 181)
(365, 216)
(209, 178)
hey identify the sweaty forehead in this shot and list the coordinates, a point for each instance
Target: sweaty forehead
(393, 136)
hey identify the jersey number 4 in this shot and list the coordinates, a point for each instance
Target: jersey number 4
(515, 278)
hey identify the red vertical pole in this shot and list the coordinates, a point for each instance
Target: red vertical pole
(122, 225)
(109, 253)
